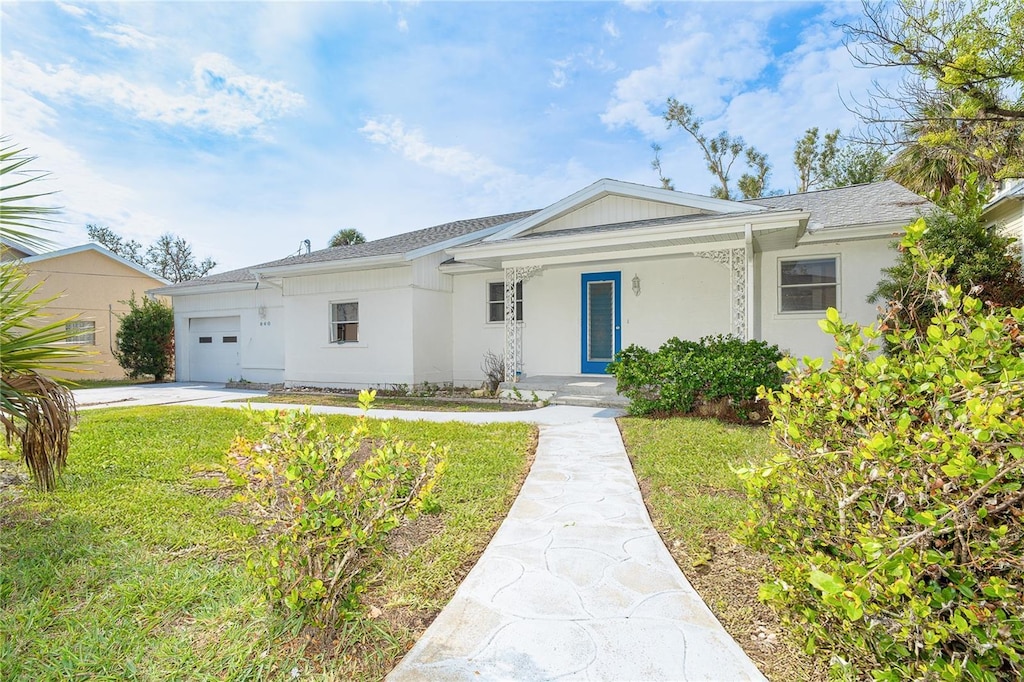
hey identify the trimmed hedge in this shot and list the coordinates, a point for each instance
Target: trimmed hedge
(684, 374)
(893, 511)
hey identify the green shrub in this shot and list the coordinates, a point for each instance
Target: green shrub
(893, 510)
(328, 502)
(684, 374)
(145, 339)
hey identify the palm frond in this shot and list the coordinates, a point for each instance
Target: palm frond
(20, 217)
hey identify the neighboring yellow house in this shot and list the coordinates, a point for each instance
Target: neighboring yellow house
(1005, 211)
(91, 282)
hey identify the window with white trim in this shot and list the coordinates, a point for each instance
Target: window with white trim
(808, 284)
(82, 332)
(496, 301)
(344, 322)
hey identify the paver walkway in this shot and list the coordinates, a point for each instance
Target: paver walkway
(576, 584)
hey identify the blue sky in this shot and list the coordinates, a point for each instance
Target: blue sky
(248, 127)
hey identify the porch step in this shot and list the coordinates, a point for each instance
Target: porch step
(583, 391)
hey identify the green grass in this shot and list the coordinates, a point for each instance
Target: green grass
(390, 402)
(686, 464)
(76, 384)
(134, 568)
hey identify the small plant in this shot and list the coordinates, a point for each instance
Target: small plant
(145, 340)
(683, 374)
(493, 367)
(329, 502)
(893, 510)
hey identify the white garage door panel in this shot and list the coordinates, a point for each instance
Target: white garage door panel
(214, 348)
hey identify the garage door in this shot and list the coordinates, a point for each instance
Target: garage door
(214, 348)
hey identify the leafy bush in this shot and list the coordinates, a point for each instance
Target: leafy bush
(893, 510)
(983, 262)
(684, 374)
(328, 502)
(145, 340)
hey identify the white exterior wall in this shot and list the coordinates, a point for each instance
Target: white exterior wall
(261, 338)
(383, 353)
(472, 335)
(684, 296)
(860, 268)
(432, 331)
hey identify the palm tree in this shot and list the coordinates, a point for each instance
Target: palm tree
(347, 237)
(35, 410)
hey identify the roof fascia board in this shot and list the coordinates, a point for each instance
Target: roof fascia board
(98, 249)
(632, 254)
(703, 228)
(196, 289)
(454, 241)
(462, 268)
(606, 187)
(838, 234)
(364, 263)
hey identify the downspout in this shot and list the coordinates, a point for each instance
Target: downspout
(748, 239)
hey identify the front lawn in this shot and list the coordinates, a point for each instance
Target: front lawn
(134, 568)
(696, 503)
(392, 402)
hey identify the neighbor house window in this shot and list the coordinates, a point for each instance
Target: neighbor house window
(808, 284)
(81, 333)
(496, 301)
(344, 322)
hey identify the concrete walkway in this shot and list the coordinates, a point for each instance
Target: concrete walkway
(576, 584)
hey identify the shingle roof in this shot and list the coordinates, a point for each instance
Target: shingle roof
(855, 205)
(396, 244)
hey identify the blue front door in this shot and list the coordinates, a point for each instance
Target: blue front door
(601, 317)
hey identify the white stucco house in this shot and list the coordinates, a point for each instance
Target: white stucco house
(556, 291)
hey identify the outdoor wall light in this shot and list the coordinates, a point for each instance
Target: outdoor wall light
(636, 285)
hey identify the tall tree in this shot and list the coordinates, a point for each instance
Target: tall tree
(128, 249)
(169, 256)
(666, 183)
(813, 157)
(961, 98)
(34, 409)
(720, 154)
(348, 236)
(855, 164)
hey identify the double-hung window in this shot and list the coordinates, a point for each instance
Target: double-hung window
(344, 322)
(83, 332)
(496, 301)
(808, 284)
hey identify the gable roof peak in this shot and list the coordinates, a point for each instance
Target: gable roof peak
(611, 187)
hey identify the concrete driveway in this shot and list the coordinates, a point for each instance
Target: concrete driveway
(215, 395)
(191, 393)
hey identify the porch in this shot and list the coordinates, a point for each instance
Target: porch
(581, 390)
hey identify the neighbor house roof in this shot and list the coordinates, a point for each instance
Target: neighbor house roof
(49, 255)
(430, 238)
(877, 202)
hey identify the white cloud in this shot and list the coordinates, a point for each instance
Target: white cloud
(124, 36)
(702, 69)
(610, 28)
(73, 10)
(403, 25)
(638, 5)
(223, 98)
(563, 70)
(412, 145)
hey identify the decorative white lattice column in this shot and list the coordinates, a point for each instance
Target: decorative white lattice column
(736, 261)
(514, 328)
